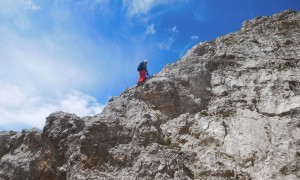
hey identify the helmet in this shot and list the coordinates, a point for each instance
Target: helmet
(145, 61)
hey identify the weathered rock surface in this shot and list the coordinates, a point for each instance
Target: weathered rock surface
(229, 109)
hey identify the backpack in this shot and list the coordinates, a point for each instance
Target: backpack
(140, 67)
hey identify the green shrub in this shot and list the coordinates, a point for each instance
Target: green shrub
(231, 41)
(204, 113)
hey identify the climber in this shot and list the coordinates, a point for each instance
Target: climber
(142, 68)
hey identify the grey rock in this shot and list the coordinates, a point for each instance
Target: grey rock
(19, 152)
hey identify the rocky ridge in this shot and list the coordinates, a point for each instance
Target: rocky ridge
(229, 109)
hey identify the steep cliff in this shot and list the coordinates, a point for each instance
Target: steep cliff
(229, 109)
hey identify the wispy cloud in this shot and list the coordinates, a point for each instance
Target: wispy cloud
(194, 37)
(136, 7)
(38, 62)
(16, 7)
(150, 29)
(11, 96)
(166, 45)
(32, 5)
(173, 29)
(16, 13)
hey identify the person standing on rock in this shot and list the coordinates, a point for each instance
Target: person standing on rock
(142, 69)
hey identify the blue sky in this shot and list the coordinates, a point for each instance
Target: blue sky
(73, 55)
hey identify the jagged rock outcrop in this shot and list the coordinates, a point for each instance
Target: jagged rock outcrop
(229, 109)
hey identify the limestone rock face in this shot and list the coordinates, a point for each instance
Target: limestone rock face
(228, 109)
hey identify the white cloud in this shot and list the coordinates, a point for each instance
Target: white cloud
(19, 106)
(32, 6)
(194, 37)
(39, 64)
(11, 95)
(150, 29)
(39, 72)
(136, 7)
(173, 29)
(166, 45)
(10, 7)
(35, 107)
(16, 13)
(17, 7)
(38, 77)
(60, 57)
(80, 104)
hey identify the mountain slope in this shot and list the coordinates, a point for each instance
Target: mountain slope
(229, 109)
